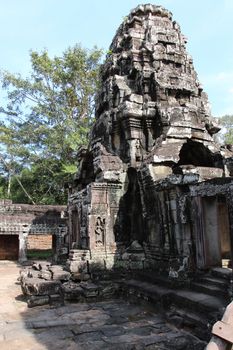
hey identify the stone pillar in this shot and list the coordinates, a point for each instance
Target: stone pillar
(230, 211)
(22, 247)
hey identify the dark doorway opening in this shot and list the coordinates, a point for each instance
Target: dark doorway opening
(129, 224)
(75, 236)
(9, 247)
(224, 231)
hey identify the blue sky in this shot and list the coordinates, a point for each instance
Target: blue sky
(57, 24)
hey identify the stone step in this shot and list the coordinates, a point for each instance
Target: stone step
(207, 288)
(207, 306)
(205, 301)
(153, 277)
(146, 290)
(199, 326)
(214, 281)
(220, 272)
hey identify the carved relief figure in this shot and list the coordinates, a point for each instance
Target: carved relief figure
(100, 231)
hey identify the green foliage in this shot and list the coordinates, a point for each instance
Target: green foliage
(47, 117)
(109, 52)
(44, 181)
(3, 187)
(227, 122)
(39, 254)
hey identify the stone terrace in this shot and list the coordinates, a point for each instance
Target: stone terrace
(114, 324)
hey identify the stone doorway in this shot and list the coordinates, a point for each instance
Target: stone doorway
(213, 232)
(75, 238)
(224, 231)
(9, 247)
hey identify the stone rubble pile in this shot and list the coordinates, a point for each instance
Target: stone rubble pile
(47, 284)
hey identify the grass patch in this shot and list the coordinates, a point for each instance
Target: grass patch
(39, 254)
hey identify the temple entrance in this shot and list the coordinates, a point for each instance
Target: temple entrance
(75, 238)
(9, 247)
(224, 231)
(130, 219)
(212, 232)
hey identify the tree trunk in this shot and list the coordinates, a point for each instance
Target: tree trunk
(9, 185)
(24, 189)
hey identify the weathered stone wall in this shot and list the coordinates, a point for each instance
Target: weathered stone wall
(150, 98)
(39, 242)
(27, 220)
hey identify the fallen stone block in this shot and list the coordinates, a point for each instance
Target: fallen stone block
(37, 300)
(45, 274)
(108, 289)
(43, 265)
(40, 265)
(71, 291)
(80, 276)
(89, 289)
(37, 286)
(56, 300)
(58, 273)
(36, 266)
(28, 272)
(61, 275)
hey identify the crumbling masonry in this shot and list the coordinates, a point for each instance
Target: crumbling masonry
(153, 190)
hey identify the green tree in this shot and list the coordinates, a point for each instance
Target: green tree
(227, 122)
(47, 117)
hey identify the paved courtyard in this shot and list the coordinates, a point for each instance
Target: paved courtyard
(114, 324)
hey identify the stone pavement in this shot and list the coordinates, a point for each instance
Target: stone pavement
(114, 324)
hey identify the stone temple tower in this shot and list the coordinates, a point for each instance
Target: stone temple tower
(138, 194)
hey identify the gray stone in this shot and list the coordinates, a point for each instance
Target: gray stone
(56, 300)
(61, 275)
(80, 276)
(43, 265)
(45, 274)
(37, 286)
(37, 300)
(112, 330)
(72, 291)
(92, 336)
(152, 163)
(89, 289)
(108, 290)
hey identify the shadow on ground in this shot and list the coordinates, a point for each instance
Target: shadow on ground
(112, 324)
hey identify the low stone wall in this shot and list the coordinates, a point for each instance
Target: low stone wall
(34, 225)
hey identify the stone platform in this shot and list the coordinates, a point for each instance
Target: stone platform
(113, 324)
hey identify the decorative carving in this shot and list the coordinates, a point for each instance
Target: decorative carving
(138, 151)
(100, 231)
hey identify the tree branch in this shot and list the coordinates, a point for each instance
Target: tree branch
(17, 179)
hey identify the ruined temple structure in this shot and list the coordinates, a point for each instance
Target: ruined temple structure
(154, 189)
